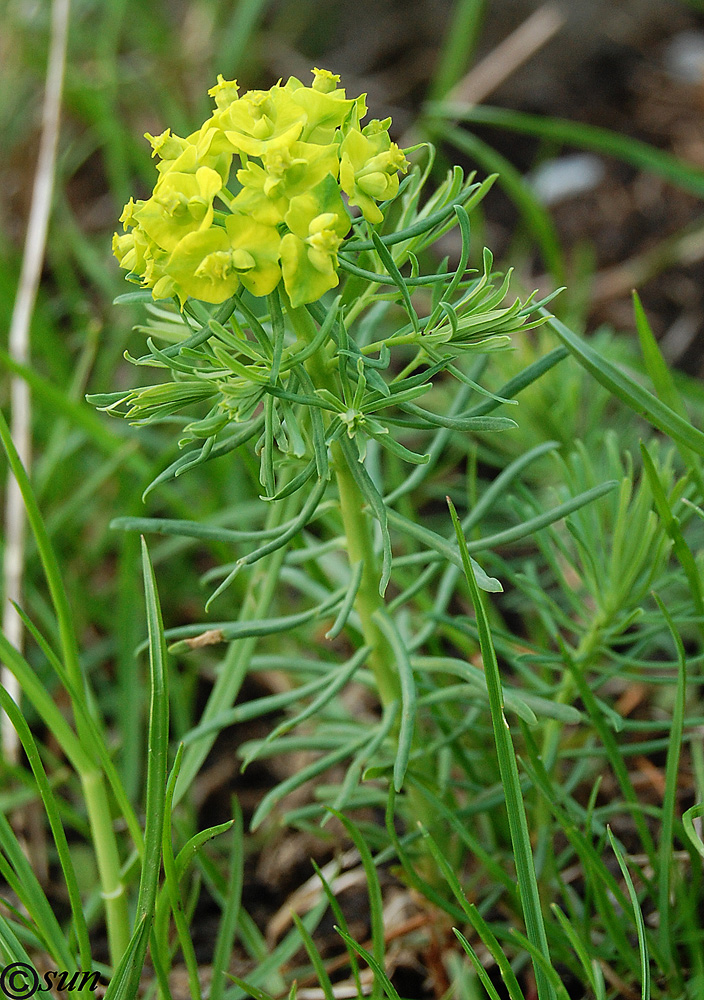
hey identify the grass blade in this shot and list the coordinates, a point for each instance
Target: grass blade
(233, 897)
(373, 964)
(340, 918)
(669, 803)
(628, 390)
(479, 968)
(156, 767)
(17, 873)
(171, 882)
(477, 921)
(62, 849)
(671, 525)
(315, 957)
(600, 140)
(376, 908)
(591, 968)
(640, 925)
(518, 824)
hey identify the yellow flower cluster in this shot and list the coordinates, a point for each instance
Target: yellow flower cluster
(299, 149)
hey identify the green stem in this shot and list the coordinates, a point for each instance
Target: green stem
(360, 545)
(357, 528)
(108, 859)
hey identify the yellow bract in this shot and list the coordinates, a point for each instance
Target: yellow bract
(298, 148)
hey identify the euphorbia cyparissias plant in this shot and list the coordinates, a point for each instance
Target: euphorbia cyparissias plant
(314, 381)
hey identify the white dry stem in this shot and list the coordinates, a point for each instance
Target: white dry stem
(32, 261)
(508, 56)
(501, 63)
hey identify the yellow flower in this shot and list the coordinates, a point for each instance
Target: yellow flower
(130, 249)
(325, 81)
(325, 110)
(210, 265)
(287, 172)
(207, 147)
(298, 146)
(166, 145)
(224, 92)
(181, 204)
(261, 120)
(369, 165)
(318, 221)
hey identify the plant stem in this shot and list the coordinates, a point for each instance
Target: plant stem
(360, 545)
(357, 528)
(112, 889)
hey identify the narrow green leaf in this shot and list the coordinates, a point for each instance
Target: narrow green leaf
(339, 679)
(390, 265)
(638, 154)
(347, 606)
(171, 883)
(479, 968)
(80, 415)
(97, 741)
(664, 383)
(227, 927)
(373, 964)
(205, 453)
(595, 979)
(376, 503)
(191, 529)
(671, 524)
(315, 957)
(518, 825)
(269, 966)
(535, 215)
(475, 918)
(669, 803)
(640, 925)
(296, 780)
(17, 873)
(340, 918)
(199, 636)
(124, 983)
(376, 905)
(408, 694)
(688, 817)
(628, 390)
(380, 278)
(190, 849)
(158, 739)
(249, 989)
(368, 751)
(53, 815)
(50, 565)
(418, 228)
(37, 694)
(542, 963)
